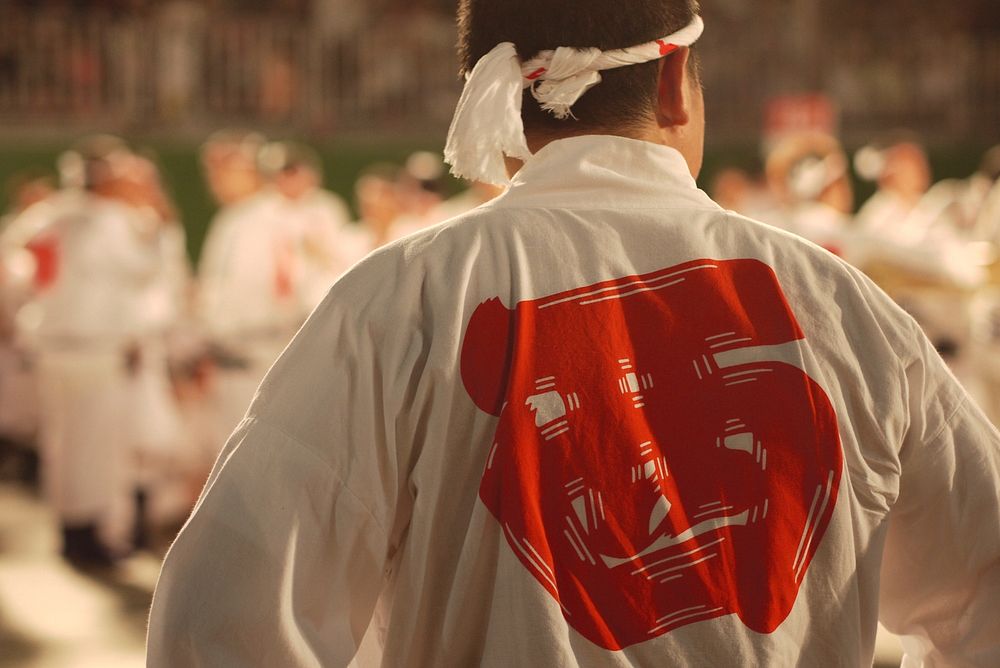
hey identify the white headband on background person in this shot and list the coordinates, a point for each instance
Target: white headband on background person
(487, 123)
(810, 176)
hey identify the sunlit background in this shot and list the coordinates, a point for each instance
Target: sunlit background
(195, 116)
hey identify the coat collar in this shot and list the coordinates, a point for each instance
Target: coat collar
(605, 172)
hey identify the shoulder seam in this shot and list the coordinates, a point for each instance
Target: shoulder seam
(962, 400)
(326, 464)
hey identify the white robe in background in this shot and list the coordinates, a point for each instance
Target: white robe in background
(987, 225)
(822, 225)
(246, 299)
(154, 415)
(317, 223)
(364, 475)
(245, 273)
(885, 215)
(81, 324)
(19, 409)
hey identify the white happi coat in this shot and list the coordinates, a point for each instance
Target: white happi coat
(821, 224)
(19, 274)
(317, 223)
(246, 298)
(246, 273)
(598, 421)
(155, 420)
(886, 215)
(81, 324)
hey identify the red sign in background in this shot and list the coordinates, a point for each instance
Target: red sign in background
(656, 463)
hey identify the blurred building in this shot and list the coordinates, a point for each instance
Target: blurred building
(933, 67)
(321, 66)
(186, 65)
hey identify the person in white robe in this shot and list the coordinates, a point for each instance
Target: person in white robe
(229, 161)
(316, 219)
(916, 246)
(535, 435)
(246, 302)
(738, 190)
(155, 429)
(903, 174)
(18, 389)
(982, 199)
(809, 172)
(84, 323)
(420, 193)
(379, 207)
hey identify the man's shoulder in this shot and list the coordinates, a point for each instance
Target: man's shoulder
(822, 280)
(790, 250)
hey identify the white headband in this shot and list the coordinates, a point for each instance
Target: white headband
(487, 123)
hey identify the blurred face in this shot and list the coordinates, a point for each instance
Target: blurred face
(907, 171)
(377, 202)
(414, 199)
(296, 181)
(232, 174)
(135, 181)
(731, 188)
(839, 195)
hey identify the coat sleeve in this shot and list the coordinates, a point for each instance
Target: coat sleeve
(285, 555)
(941, 567)
(281, 564)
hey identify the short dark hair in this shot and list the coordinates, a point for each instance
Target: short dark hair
(625, 96)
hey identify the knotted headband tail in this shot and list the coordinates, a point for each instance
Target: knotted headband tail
(487, 123)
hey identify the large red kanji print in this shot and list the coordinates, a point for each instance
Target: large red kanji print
(661, 457)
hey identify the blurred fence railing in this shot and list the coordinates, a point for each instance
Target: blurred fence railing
(198, 69)
(146, 72)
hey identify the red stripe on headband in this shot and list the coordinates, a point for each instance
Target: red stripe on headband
(537, 73)
(666, 48)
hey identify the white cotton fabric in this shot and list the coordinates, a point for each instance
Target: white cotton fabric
(347, 501)
(571, 72)
(80, 326)
(487, 124)
(105, 270)
(239, 274)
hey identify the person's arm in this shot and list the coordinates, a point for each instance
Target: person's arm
(283, 559)
(941, 567)
(280, 565)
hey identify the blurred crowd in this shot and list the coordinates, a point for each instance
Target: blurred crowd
(188, 65)
(932, 246)
(123, 368)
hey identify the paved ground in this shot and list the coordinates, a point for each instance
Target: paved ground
(52, 616)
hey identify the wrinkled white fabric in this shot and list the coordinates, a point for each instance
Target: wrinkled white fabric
(569, 75)
(487, 123)
(245, 274)
(570, 72)
(104, 270)
(353, 484)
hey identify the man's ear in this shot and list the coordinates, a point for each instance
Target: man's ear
(673, 104)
